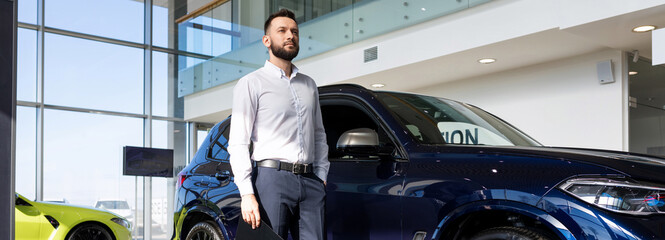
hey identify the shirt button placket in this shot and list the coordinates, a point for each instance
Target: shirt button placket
(299, 122)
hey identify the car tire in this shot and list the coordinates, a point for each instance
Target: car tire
(513, 233)
(90, 231)
(204, 231)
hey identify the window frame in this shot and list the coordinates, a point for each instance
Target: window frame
(223, 127)
(365, 107)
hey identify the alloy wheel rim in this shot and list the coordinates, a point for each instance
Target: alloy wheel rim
(203, 235)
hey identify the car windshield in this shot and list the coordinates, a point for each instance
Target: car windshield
(112, 205)
(432, 120)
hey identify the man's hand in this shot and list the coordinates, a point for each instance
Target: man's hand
(250, 210)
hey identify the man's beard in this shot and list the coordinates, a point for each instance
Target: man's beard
(282, 53)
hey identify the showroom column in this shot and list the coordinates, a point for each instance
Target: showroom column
(147, 110)
(7, 115)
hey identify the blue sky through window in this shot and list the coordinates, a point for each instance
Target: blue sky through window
(26, 65)
(119, 19)
(90, 74)
(83, 156)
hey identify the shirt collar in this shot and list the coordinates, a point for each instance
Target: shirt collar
(277, 70)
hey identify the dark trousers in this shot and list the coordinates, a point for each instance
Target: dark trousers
(291, 202)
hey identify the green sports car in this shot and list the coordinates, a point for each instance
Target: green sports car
(40, 220)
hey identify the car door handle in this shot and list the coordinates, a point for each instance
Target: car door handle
(223, 175)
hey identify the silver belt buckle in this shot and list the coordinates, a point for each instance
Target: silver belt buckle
(296, 168)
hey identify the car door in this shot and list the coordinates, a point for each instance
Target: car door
(363, 190)
(222, 193)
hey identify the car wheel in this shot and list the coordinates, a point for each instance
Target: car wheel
(512, 233)
(204, 231)
(90, 231)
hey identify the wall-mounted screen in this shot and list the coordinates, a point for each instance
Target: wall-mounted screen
(147, 162)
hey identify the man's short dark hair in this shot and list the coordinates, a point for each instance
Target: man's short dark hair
(281, 13)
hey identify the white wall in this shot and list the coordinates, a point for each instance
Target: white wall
(658, 46)
(559, 103)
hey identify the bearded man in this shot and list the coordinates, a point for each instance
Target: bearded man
(276, 108)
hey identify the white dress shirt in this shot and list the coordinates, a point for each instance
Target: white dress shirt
(282, 117)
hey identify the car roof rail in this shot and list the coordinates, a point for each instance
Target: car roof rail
(337, 87)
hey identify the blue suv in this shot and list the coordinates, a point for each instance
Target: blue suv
(407, 166)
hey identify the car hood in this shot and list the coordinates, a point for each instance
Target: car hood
(637, 166)
(57, 209)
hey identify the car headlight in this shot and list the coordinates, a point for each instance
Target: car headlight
(122, 222)
(619, 195)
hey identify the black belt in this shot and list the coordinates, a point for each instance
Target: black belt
(291, 167)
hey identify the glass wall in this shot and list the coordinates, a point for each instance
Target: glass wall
(26, 143)
(26, 65)
(83, 157)
(647, 107)
(162, 195)
(235, 42)
(162, 33)
(90, 83)
(164, 85)
(27, 11)
(91, 74)
(115, 19)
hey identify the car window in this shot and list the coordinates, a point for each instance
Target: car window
(341, 115)
(433, 120)
(218, 149)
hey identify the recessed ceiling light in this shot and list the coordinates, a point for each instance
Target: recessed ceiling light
(632, 73)
(378, 85)
(423, 9)
(487, 60)
(645, 28)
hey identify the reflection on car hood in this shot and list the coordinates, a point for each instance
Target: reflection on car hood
(60, 207)
(637, 166)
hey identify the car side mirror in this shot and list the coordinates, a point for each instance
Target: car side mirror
(363, 141)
